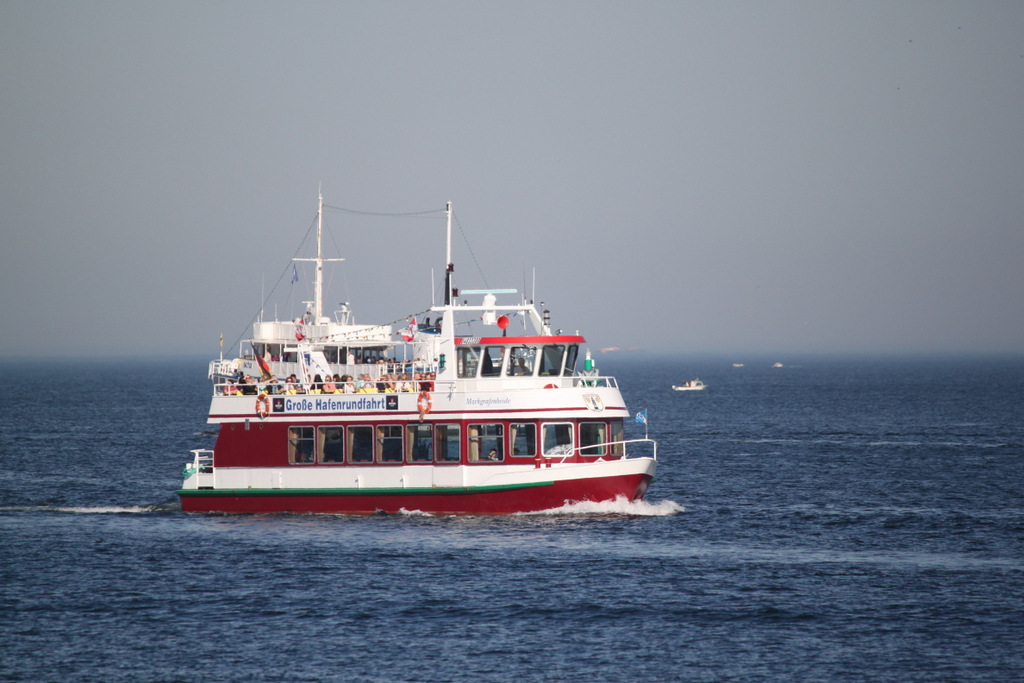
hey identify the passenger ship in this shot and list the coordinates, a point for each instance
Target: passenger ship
(475, 425)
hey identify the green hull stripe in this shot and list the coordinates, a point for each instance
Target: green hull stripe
(443, 491)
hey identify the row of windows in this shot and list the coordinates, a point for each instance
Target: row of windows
(442, 443)
(523, 361)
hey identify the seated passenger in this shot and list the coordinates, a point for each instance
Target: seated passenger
(368, 387)
(247, 386)
(329, 386)
(405, 384)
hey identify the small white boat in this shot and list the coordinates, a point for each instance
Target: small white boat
(777, 365)
(691, 385)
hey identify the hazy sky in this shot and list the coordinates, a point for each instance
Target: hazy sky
(744, 177)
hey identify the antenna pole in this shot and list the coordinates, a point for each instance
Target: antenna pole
(450, 266)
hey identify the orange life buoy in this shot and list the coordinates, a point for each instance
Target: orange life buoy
(424, 403)
(262, 406)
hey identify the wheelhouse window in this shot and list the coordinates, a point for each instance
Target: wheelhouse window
(618, 436)
(469, 360)
(557, 438)
(331, 444)
(360, 444)
(389, 443)
(490, 365)
(521, 361)
(523, 439)
(486, 443)
(551, 360)
(570, 360)
(420, 445)
(593, 437)
(300, 445)
(446, 440)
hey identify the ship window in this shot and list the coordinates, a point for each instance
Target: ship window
(300, 444)
(523, 437)
(557, 438)
(420, 446)
(551, 360)
(469, 359)
(447, 440)
(360, 444)
(570, 360)
(491, 364)
(332, 444)
(593, 437)
(521, 360)
(389, 443)
(618, 436)
(486, 443)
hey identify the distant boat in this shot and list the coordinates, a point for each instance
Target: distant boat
(737, 365)
(777, 365)
(692, 385)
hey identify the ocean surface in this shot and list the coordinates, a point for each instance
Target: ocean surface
(830, 520)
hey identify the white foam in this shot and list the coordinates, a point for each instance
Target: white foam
(620, 506)
(99, 510)
(414, 513)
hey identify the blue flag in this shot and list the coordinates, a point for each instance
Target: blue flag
(295, 275)
(641, 417)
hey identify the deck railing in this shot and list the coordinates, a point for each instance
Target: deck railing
(201, 467)
(221, 382)
(559, 458)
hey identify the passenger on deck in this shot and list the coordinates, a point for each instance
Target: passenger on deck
(271, 386)
(347, 386)
(317, 385)
(404, 384)
(329, 386)
(292, 385)
(369, 387)
(248, 386)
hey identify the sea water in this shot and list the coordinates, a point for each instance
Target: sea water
(832, 519)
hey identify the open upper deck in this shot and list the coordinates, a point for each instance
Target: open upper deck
(481, 364)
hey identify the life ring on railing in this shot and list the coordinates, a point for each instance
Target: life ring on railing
(550, 386)
(424, 404)
(262, 405)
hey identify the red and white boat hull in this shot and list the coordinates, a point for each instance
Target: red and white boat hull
(518, 489)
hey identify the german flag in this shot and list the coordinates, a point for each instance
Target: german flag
(265, 373)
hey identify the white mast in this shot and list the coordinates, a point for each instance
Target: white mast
(318, 275)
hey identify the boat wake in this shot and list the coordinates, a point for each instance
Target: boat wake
(620, 506)
(97, 510)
